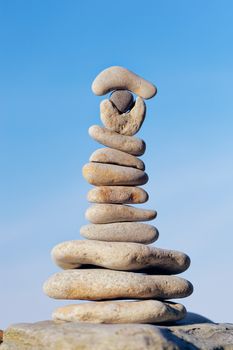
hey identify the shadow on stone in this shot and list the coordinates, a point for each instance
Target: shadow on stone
(192, 318)
(178, 342)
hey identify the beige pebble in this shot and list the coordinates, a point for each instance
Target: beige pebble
(116, 78)
(117, 195)
(100, 174)
(128, 144)
(124, 123)
(113, 156)
(119, 256)
(107, 213)
(136, 232)
(141, 311)
(123, 100)
(103, 284)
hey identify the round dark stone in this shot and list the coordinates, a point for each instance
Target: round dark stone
(123, 100)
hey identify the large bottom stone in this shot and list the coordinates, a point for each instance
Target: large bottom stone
(139, 311)
(49, 335)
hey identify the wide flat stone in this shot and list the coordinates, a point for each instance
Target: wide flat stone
(103, 284)
(119, 256)
(50, 335)
(117, 195)
(108, 213)
(140, 311)
(136, 232)
(114, 156)
(100, 174)
(112, 139)
(117, 78)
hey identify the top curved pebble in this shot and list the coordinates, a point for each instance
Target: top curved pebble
(115, 78)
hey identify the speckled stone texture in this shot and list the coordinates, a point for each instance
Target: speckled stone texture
(117, 195)
(103, 284)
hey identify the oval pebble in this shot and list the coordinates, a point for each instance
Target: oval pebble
(119, 256)
(103, 284)
(140, 311)
(107, 213)
(117, 195)
(122, 99)
(113, 156)
(112, 139)
(100, 174)
(136, 232)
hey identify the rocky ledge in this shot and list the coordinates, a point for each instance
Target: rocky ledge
(52, 335)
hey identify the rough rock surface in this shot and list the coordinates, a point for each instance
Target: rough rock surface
(139, 311)
(114, 156)
(137, 232)
(117, 195)
(109, 213)
(126, 123)
(119, 256)
(100, 174)
(112, 139)
(103, 284)
(50, 335)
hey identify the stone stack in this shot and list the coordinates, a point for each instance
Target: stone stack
(126, 279)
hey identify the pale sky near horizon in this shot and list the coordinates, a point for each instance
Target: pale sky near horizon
(50, 53)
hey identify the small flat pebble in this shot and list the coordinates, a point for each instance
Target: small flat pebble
(112, 139)
(136, 232)
(117, 195)
(107, 213)
(141, 311)
(100, 174)
(113, 156)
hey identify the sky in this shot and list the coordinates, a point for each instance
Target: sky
(51, 50)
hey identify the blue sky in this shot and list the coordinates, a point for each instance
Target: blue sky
(50, 53)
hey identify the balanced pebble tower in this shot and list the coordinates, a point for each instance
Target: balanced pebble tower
(126, 279)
